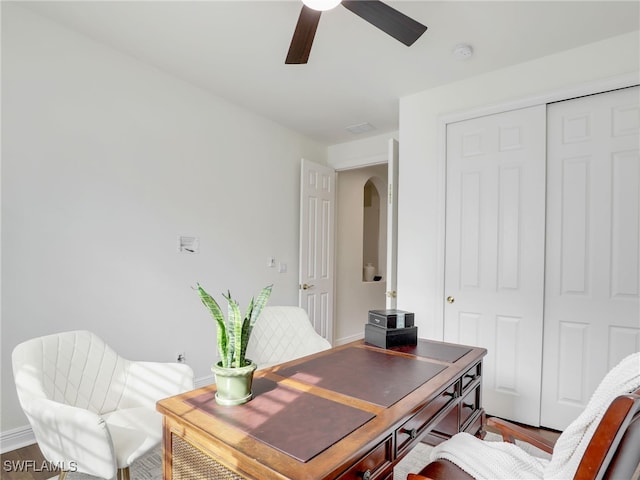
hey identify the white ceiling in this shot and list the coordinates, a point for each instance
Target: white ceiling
(356, 73)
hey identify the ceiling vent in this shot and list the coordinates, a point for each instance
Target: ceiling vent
(360, 128)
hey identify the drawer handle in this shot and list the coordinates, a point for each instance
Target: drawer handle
(471, 376)
(449, 394)
(413, 433)
(366, 475)
(468, 405)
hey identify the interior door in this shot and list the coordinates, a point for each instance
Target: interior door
(317, 245)
(392, 224)
(494, 260)
(592, 316)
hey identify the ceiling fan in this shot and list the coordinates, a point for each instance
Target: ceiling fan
(386, 18)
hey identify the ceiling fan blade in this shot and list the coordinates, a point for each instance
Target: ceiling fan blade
(388, 19)
(303, 36)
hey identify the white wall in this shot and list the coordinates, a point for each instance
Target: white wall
(421, 204)
(360, 152)
(105, 161)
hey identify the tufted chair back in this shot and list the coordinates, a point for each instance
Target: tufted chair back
(74, 368)
(281, 334)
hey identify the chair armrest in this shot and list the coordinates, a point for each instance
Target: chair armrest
(511, 432)
(611, 434)
(148, 382)
(415, 476)
(71, 437)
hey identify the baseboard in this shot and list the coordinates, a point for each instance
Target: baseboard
(16, 438)
(204, 381)
(349, 339)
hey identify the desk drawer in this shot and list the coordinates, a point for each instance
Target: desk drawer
(475, 426)
(470, 376)
(420, 421)
(469, 404)
(450, 424)
(373, 465)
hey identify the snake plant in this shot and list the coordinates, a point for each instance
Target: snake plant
(233, 334)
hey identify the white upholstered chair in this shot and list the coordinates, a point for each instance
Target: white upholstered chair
(91, 410)
(281, 334)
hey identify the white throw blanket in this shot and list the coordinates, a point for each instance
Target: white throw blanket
(492, 460)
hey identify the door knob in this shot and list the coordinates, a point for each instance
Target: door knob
(450, 299)
(307, 287)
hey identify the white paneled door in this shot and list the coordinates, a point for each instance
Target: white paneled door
(494, 265)
(592, 316)
(317, 245)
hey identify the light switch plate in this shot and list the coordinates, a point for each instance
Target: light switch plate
(187, 244)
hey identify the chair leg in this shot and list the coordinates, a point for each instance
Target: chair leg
(63, 474)
(123, 473)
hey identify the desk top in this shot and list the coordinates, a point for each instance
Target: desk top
(308, 425)
(305, 410)
(371, 375)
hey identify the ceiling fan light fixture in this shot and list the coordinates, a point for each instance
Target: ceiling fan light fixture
(322, 5)
(391, 21)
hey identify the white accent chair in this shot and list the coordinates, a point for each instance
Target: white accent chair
(91, 410)
(281, 334)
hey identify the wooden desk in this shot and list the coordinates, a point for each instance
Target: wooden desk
(351, 412)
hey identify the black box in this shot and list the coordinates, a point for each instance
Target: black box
(391, 318)
(390, 337)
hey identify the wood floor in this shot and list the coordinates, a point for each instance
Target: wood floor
(26, 463)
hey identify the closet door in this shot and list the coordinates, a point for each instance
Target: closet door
(592, 319)
(494, 265)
